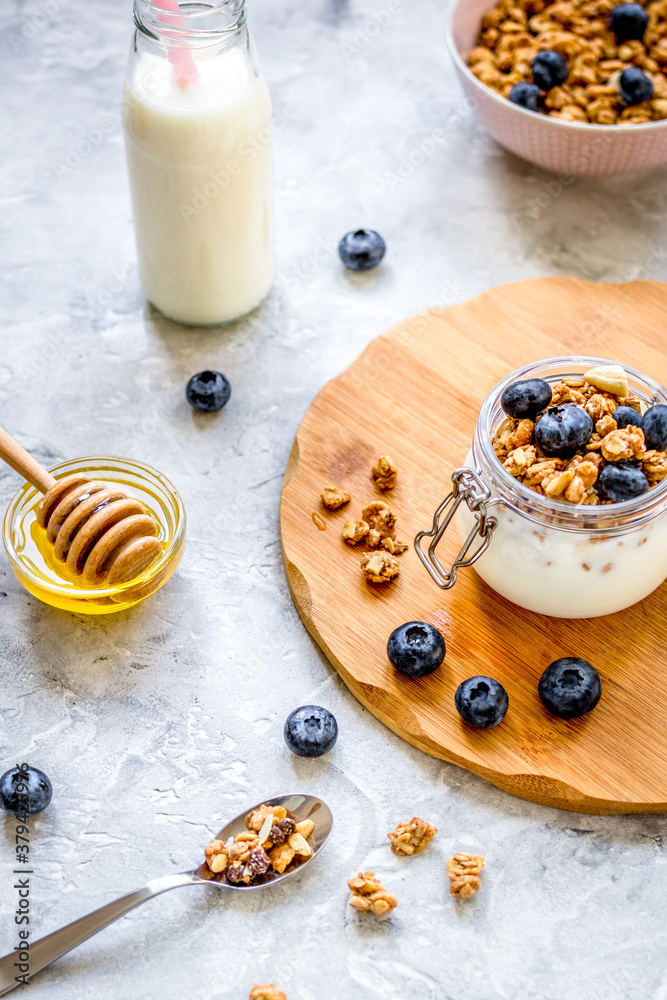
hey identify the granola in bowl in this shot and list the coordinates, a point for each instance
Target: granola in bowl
(594, 73)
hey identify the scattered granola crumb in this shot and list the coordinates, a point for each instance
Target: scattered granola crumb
(411, 837)
(374, 538)
(464, 870)
(379, 567)
(333, 497)
(380, 516)
(396, 548)
(384, 473)
(266, 991)
(355, 532)
(369, 896)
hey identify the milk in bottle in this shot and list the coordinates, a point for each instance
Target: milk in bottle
(198, 140)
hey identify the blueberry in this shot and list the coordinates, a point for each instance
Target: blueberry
(570, 687)
(526, 95)
(25, 791)
(362, 250)
(628, 21)
(549, 69)
(635, 86)
(563, 430)
(208, 391)
(526, 399)
(416, 649)
(620, 481)
(654, 425)
(625, 416)
(310, 731)
(481, 702)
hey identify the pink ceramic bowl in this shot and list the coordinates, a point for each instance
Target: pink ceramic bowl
(572, 149)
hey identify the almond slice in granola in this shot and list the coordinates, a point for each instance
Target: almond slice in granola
(609, 378)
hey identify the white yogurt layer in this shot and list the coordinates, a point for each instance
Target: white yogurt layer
(570, 574)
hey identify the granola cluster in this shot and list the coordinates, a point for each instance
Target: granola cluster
(573, 480)
(377, 530)
(464, 871)
(384, 473)
(514, 31)
(273, 841)
(411, 837)
(369, 896)
(333, 497)
(266, 991)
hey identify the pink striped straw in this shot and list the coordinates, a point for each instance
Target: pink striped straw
(181, 59)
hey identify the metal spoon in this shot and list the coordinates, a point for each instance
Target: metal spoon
(51, 947)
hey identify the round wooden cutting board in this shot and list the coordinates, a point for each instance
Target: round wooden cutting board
(414, 394)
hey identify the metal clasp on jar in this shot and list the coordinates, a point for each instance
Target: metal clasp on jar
(467, 488)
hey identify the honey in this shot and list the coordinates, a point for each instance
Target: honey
(33, 559)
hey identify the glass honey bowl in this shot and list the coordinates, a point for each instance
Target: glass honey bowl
(33, 559)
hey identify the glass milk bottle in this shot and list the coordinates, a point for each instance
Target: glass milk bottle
(196, 114)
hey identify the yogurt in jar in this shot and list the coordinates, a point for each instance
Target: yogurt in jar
(574, 573)
(566, 560)
(199, 161)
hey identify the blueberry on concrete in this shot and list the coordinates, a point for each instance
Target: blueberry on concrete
(563, 430)
(481, 702)
(526, 398)
(625, 416)
(25, 791)
(362, 250)
(526, 95)
(654, 425)
(635, 86)
(570, 687)
(416, 649)
(208, 391)
(628, 21)
(310, 731)
(549, 69)
(620, 481)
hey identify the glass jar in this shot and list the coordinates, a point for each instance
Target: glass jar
(548, 556)
(33, 560)
(197, 123)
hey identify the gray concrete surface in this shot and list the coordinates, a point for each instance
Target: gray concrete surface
(158, 723)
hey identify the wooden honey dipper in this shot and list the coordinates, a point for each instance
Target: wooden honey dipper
(97, 531)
